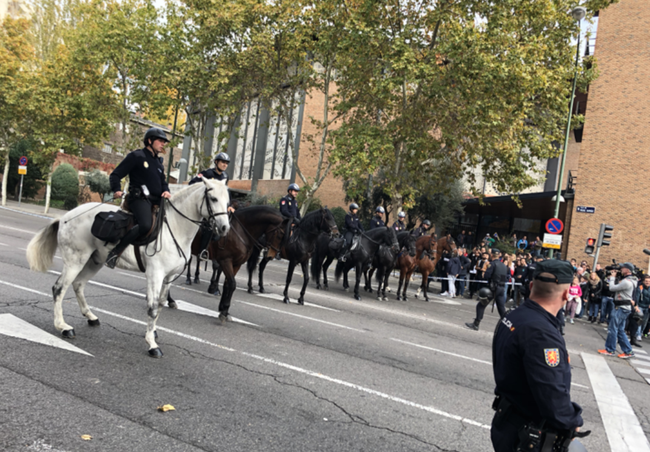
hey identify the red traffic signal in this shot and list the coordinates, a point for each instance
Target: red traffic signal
(591, 245)
(591, 241)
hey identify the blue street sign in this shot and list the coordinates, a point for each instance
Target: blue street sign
(554, 226)
(584, 209)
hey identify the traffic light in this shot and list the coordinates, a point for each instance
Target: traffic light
(591, 244)
(604, 235)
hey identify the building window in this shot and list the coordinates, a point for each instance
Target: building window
(108, 148)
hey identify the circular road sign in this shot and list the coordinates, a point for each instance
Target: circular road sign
(23, 161)
(554, 226)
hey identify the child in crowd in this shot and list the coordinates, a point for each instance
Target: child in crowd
(574, 298)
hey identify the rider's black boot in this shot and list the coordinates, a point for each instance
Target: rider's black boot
(473, 325)
(115, 253)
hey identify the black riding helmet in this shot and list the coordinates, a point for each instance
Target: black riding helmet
(222, 156)
(153, 134)
(427, 223)
(353, 206)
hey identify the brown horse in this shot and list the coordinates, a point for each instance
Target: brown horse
(407, 263)
(427, 260)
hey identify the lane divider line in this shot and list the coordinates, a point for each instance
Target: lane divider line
(25, 288)
(300, 316)
(623, 429)
(310, 373)
(27, 213)
(441, 351)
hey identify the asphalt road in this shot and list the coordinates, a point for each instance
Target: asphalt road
(334, 375)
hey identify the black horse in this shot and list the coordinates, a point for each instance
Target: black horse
(298, 249)
(361, 257)
(327, 249)
(385, 261)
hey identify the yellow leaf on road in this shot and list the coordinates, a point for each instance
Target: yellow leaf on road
(166, 408)
(86, 437)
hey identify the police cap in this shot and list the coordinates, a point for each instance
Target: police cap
(562, 271)
(496, 252)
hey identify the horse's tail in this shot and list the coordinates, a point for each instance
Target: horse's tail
(41, 249)
(339, 270)
(252, 260)
(316, 260)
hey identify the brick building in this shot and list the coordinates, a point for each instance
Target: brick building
(612, 173)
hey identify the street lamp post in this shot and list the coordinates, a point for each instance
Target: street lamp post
(578, 14)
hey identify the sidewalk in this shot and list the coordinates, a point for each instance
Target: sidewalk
(32, 209)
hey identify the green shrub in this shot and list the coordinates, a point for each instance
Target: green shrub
(315, 204)
(70, 203)
(339, 215)
(98, 183)
(65, 182)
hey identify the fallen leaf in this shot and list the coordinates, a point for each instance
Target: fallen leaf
(166, 408)
(86, 437)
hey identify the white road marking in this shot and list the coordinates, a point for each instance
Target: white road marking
(300, 316)
(489, 363)
(621, 424)
(26, 213)
(25, 288)
(12, 326)
(41, 445)
(19, 230)
(195, 309)
(441, 351)
(641, 351)
(276, 296)
(644, 371)
(3, 244)
(310, 373)
(141, 295)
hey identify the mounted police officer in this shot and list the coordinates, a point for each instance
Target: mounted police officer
(221, 162)
(399, 225)
(534, 411)
(497, 276)
(352, 227)
(147, 185)
(289, 204)
(378, 220)
(422, 230)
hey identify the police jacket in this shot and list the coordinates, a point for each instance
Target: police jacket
(418, 232)
(399, 226)
(377, 222)
(531, 367)
(210, 174)
(352, 223)
(143, 168)
(289, 207)
(497, 273)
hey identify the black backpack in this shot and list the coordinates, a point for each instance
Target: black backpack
(111, 226)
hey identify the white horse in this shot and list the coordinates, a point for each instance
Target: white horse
(84, 255)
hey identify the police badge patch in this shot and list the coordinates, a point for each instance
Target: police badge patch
(552, 356)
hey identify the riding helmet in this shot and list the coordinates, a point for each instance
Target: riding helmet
(222, 156)
(380, 209)
(153, 134)
(293, 187)
(353, 206)
(401, 215)
(427, 222)
(485, 293)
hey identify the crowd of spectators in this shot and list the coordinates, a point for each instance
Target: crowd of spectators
(617, 297)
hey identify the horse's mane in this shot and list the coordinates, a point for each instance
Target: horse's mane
(186, 191)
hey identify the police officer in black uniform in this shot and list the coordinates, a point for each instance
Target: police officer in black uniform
(378, 221)
(289, 204)
(352, 226)
(422, 230)
(497, 275)
(147, 185)
(399, 225)
(533, 407)
(221, 162)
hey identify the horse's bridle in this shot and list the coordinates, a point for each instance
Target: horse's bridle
(211, 214)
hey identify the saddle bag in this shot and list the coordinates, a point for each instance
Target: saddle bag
(111, 226)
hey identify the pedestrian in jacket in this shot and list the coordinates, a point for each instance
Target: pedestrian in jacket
(453, 269)
(594, 296)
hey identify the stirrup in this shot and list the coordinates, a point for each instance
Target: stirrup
(204, 255)
(111, 260)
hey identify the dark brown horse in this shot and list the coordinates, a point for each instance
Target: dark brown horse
(247, 225)
(406, 263)
(427, 260)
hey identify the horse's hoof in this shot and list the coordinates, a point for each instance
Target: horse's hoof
(250, 290)
(318, 287)
(188, 282)
(172, 304)
(357, 297)
(326, 287)
(384, 298)
(405, 299)
(301, 301)
(68, 334)
(197, 281)
(399, 298)
(261, 289)
(347, 289)
(225, 317)
(286, 300)
(217, 292)
(93, 322)
(155, 352)
(417, 296)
